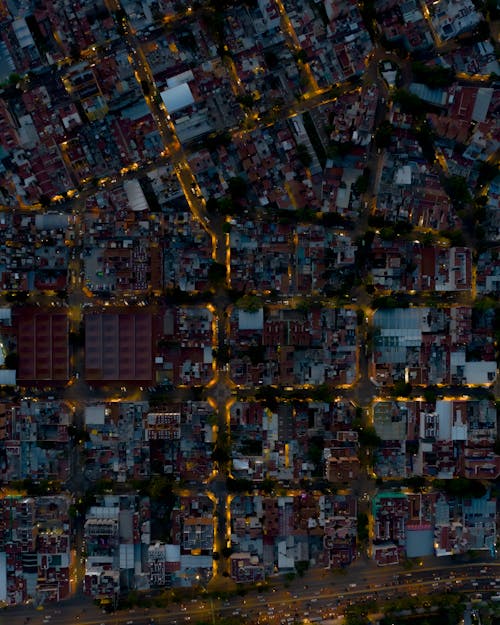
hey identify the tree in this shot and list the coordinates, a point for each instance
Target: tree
(322, 393)
(45, 200)
(246, 100)
(226, 551)
(409, 102)
(456, 237)
(227, 205)
(159, 487)
(425, 137)
(456, 187)
(237, 187)
(301, 56)
(271, 59)
(493, 10)
(301, 567)
(461, 487)
(430, 394)
(433, 76)
(338, 149)
(220, 455)
(362, 526)
(383, 134)
(368, 437)
(256, 354)
(215, 139)
(303, 155)
(268, 485)
(11, 360)
(216, 273)
(367, 9)
(401, 389)
(249, 303)
(222, 354)
(487, 172)
(239, 485)
(361, 184)
(416, 483)
(268, 396)
(315, 453)
(79, 435)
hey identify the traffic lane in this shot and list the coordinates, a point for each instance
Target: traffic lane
(377, 582)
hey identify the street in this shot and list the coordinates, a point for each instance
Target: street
(318, 593)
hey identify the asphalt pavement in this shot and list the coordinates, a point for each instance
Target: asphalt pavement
(320, 593)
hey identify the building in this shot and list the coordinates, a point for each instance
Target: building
(163, 561)
(246, 568)
(43, 348)
(390, 512)
(34, 548)
(118, 347)
(114, 532)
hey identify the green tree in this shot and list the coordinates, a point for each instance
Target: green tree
(487, 172)
(159, 487)
(361, 184)
(368, 437)
(462, 487)
(456, 237)
(322, 393)
(416, 483)
(239, 485)
(256, 353)
(409, 102)
(383, 134)
(246, 100)
(301, 56)
(268, 485)
(457, 189)
(303, 155)
(216, 274)
(338, 149)
(430, 394)
(237, 187)
(367, 9)
(271, 59)
(315, 454)
(425, 137)
(362, 527)
(401, 389)
(301, 567)
(221, 455)
(249, 303)
(433, 76)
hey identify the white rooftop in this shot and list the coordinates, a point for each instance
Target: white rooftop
(177, 98)
(251, 320)
(135, 195)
